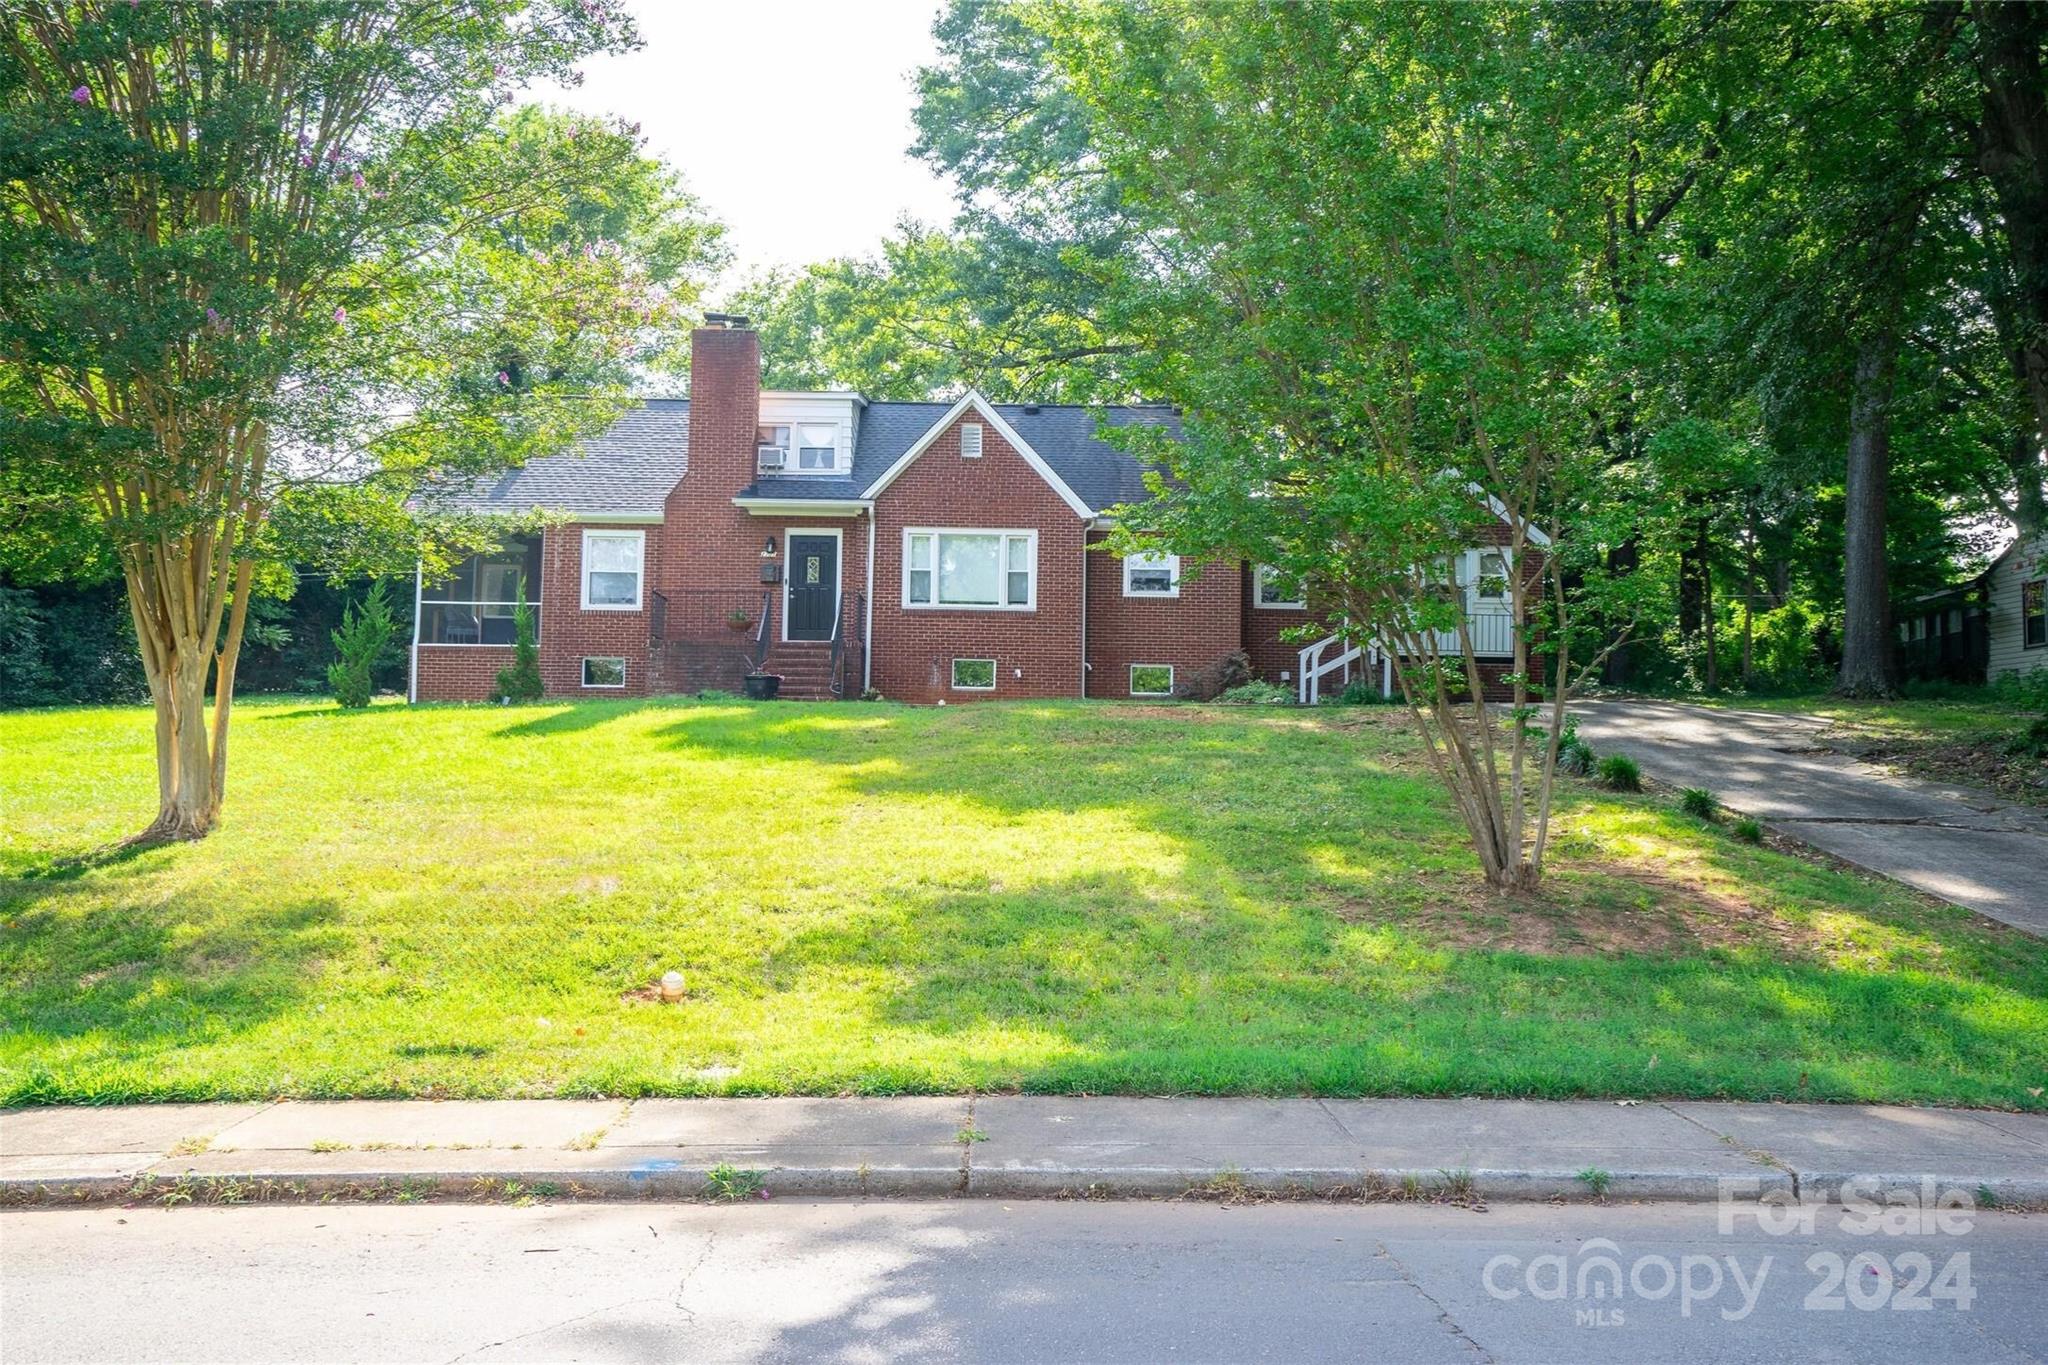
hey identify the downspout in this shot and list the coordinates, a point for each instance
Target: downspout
(867, 629)
(1085, 524)
(412, 682)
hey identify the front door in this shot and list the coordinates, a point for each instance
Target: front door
(813, 586)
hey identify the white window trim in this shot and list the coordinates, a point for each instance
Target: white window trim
(797, 448)
(1473, 577)
(1131, 683)
(1031, 597)
(584, 676)
(639, 577)
(1260, 573)
(838, 572)
(1172, 563)
(953, 674)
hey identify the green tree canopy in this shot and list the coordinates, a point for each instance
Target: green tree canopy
(265, 269)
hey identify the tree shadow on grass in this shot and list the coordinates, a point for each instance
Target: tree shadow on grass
(573, 717)
(88, 991)
(1224, 966)
(1097, 985)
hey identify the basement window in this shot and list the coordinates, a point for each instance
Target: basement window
(604, 672)
(1151, 680)
(974, 675)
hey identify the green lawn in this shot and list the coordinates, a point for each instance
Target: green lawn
(1912, 718)
(1967, 737)
(1055, 897)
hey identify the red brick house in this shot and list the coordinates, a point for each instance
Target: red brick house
(931, 552)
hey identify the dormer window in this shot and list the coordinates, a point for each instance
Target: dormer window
(817, 448)
(771, 449)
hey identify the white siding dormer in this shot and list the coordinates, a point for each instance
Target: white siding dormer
(820, 428)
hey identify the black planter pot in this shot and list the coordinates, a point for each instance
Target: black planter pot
(763, 686)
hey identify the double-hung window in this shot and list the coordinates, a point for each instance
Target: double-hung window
(976, 570)
(611, 569)
(1151, 575)
(1272, 590)
(1490, 581)
(2034, 614)
(817, 447)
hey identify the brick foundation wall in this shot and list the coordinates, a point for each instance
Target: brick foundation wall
(459, 672)
(914, 646)
(1189, 632)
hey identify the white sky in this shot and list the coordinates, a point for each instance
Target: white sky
(788, 118)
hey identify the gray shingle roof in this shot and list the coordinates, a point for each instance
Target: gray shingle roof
(1100, 474)
(629, 470)
(626, 471)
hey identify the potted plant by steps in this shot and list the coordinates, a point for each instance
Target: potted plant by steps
(738, 619)
(763, 686)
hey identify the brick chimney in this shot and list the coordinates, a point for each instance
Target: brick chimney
(709, 543)
(725, 403)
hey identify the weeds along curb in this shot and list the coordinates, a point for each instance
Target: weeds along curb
(677, 1182)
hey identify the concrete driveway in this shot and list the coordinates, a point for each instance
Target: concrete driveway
(1963, 844)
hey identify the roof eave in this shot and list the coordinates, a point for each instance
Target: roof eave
(774, 507)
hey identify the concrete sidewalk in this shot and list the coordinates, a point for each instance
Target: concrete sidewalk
(1970, 847)
(1017, 1147)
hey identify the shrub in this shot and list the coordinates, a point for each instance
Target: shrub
(2031, 742)
(521, 682)
(1747, 830)
(1576, 758)
(362, 641)
(1698, 801)
(1362, 691)
(1256, 694)
(1620, 772)
(2028, 691)
(1227, 674)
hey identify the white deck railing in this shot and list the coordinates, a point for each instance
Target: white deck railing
(1492, 633)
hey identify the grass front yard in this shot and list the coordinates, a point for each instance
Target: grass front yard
(1036, 896)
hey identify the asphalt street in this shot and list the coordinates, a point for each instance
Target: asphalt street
(1016, 1281)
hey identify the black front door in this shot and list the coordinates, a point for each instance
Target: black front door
(813, 586)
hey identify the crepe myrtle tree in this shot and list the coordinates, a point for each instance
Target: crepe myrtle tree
(1377, 244)
(265, 269)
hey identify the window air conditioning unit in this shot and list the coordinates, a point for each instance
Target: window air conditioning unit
(770, 458)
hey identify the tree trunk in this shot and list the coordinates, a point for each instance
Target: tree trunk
(1619, 667)
(2012, 149)
(177, 622)
(1749, 591)
(1707, 612)
(1866, 593)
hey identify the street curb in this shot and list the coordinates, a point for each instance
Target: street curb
(274, 1182)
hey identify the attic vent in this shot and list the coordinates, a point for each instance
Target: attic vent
(970, 440)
